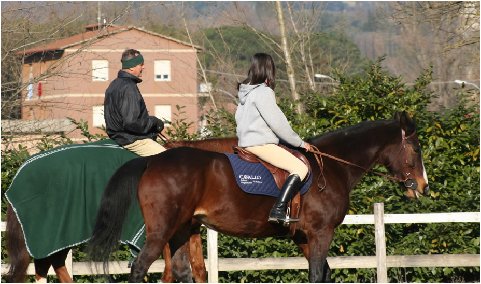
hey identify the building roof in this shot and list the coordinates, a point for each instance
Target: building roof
(93, 34)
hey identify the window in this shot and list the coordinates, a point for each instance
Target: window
(162, 70)
(98, 116)
(100, 70)
(164, 112)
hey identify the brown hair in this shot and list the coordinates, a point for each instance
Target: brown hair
(262, 68)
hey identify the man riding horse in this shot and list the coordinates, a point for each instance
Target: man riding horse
(126, 118)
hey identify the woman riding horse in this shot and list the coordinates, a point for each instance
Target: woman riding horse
(260, 124)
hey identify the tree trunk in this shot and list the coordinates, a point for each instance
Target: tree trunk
(302, 45)
(285, 48)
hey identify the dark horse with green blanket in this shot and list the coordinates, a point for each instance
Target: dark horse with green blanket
(54, 198)
(174, 187)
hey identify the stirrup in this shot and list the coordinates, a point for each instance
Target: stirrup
(286, 221)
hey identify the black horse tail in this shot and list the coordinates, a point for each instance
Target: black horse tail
(113, 210)
(16, 249)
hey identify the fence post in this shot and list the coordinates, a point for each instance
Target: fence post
(380, 243)
(212, 256)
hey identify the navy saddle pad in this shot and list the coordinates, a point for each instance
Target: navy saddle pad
(254, 178)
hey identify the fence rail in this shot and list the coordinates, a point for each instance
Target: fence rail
(380, 261)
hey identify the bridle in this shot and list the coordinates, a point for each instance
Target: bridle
(408, 183)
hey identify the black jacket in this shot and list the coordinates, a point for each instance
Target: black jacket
(125, 113)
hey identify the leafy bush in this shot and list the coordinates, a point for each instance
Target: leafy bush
(179, 128)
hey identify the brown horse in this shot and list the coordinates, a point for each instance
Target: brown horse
(20, 258)
(184, 183)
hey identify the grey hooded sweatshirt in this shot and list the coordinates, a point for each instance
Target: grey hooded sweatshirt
(260, 121)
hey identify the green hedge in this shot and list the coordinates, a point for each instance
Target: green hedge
(450, 147)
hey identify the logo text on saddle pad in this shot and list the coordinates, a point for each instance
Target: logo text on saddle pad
(248, 179)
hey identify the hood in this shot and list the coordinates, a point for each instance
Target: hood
(244, 90)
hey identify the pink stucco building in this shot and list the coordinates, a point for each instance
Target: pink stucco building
(77, 70)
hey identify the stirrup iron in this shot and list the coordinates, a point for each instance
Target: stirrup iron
(289, 220)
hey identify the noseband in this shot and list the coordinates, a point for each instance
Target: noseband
(408, 183)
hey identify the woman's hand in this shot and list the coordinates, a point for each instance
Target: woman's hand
(307, 146)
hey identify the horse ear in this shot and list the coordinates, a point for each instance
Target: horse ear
(407, 123)
(396, 116)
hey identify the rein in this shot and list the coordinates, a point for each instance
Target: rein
(166, 140)
(318, 154)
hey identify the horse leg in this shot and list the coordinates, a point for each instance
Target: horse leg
(16, 249)
(180, 251)
(167, 276)
(148, 254)
(305, 250)
(197, 256)
(301, 242)
(58, 262)
(327, 271)
(42, 266)
(319, 243)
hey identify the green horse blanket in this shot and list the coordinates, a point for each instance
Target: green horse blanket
(55, 195)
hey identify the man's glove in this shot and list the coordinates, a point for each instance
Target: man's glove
(159, 125)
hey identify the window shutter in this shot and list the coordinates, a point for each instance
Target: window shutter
(164, 112)
(100, 70)
(98, 116)
(162, 70)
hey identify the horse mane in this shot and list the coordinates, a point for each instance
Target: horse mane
(223, 144)
(352, 130)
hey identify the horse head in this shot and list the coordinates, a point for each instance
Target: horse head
(406, 161)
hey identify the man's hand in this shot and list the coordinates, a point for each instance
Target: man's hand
(160, 125)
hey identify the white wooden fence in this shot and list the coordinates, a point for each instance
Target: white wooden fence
(380, 261)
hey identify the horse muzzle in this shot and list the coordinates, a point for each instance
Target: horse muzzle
(412, 184)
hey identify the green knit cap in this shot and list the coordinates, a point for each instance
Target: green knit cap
(133, 62)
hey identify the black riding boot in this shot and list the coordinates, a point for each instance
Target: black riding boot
(290, 187)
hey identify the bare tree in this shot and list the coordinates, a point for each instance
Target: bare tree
(27, 25)
(22, 29)
(445, 34)
(198, 61)
(300, 28)
(287, 54)
(303, 41)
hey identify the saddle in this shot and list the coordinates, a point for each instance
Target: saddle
(279, 175)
